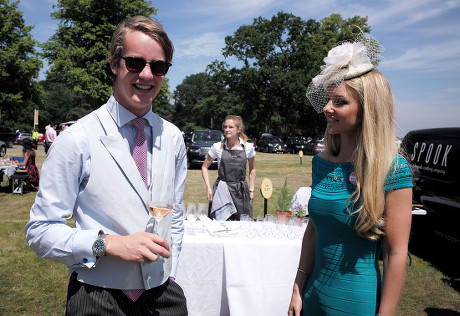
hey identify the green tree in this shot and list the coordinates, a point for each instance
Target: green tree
(188, 94)
(78, 53)
(19, 67)
(279, 57)
(162, 104)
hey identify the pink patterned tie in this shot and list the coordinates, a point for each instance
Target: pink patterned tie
(140, 158)
(140, 149)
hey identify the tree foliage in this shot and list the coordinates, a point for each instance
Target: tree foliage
(78, 53)
(19, 66)
(279, 57)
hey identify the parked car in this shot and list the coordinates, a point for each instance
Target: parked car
(2, 148)
(315, 147)
(21, 136)
(199, 145)
(295, 144)
(7, 135)
(271, 144)
(433, 155)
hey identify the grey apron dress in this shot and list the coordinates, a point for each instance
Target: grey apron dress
(232, 170)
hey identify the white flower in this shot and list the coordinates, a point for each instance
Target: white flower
(345, 61)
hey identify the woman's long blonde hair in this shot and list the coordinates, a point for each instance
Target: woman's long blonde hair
(375, 151)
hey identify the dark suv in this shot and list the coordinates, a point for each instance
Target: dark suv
(199, 145)
(295, 144)
(271, 144)
(7, 135)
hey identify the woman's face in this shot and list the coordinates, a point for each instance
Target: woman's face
(231, 130)
(343, 110)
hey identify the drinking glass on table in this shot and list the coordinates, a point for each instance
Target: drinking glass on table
(202, 210)
(191, 215)
(261, 226)
(247, 225)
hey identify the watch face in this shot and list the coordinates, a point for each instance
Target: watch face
(99, 247)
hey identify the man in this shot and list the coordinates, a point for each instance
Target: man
(35, 137)
(102, 171)
(50, 136)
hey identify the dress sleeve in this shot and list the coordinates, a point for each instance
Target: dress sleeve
(399, 176)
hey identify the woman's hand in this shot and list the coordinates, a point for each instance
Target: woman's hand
(209, 194)
(295, 307)
(251, 196)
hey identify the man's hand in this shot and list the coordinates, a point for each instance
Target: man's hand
(138, 247)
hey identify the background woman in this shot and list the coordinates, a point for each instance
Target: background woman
(29, 162)
(232, 155)
(361, 194)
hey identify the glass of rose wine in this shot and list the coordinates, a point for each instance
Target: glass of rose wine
(158, 210)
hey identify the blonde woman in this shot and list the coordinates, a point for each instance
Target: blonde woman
(232, 155)
(361, 199)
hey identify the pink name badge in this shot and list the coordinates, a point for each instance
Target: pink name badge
(352, 178)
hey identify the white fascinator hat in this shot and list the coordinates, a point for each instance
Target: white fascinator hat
(345, 61)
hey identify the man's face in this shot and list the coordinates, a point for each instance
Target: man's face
(136, 91)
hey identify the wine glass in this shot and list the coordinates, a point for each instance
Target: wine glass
(191, 215)
(202, 210)
(158, 210)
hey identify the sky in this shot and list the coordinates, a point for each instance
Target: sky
(420, 37)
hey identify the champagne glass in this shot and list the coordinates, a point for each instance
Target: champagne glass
(158, 210)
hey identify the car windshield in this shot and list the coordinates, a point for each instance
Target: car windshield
(207, 136)
(274, 139)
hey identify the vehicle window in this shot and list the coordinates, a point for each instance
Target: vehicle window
(275, 139)
(204, 136)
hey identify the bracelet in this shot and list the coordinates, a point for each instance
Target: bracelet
(251, 191)
(300, 270)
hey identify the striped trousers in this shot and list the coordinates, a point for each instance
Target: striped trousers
(85, 300)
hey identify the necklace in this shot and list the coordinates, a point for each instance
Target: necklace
(335, 176)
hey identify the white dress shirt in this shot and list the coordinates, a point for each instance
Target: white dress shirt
(64, 177)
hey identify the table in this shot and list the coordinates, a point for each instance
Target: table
(237, 275)
(7, 169)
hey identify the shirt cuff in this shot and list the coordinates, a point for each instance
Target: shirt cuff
(82, 248)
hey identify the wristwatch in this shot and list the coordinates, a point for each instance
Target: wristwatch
(99, 245)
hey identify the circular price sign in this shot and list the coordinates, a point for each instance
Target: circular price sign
(266, 188)
(300, 153)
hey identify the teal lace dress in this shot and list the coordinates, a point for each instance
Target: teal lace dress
(346, 277)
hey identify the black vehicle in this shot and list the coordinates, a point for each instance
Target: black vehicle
(314, 147)
(434, 157)
(271, 144)
(199, 145)
(7, 135)
(22, 136)
(2, 149)
(295, 144)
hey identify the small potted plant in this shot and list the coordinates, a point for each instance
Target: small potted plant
(300, 211)
(283, 204)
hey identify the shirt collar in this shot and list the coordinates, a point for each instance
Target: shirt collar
(122, 116)
(240, 145)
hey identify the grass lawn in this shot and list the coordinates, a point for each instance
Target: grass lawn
(33, 286)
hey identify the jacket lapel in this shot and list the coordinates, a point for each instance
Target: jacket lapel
(118, 148)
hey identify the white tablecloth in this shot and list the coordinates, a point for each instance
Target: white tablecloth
(237, 275)
(8, 170)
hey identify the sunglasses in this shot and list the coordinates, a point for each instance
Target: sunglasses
(137, 64)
